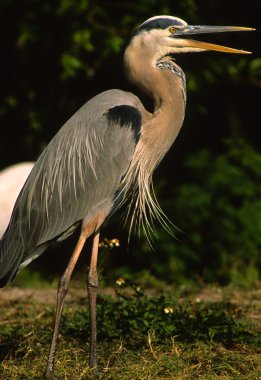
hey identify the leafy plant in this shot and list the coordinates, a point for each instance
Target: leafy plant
(219, 210)
(132, 315)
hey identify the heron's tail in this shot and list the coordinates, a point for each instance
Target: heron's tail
(11, 255)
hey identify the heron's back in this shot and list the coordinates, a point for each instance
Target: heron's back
(78, 174)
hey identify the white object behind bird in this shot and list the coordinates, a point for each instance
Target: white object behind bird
(12, 180)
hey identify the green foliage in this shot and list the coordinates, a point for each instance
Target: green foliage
(219, 211)
(132, 315)
(255, 67)
(29, 278)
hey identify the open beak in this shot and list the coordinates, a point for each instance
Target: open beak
(202, 29)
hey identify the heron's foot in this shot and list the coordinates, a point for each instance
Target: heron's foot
(96, 372)
(49, 375)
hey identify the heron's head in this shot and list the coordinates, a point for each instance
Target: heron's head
(171, 35)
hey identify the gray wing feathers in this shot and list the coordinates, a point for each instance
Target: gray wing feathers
(80, 168)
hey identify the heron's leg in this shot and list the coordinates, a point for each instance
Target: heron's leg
(62, 290)
(92, 287)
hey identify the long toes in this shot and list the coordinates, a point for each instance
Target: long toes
(50, 376)
(96, 372)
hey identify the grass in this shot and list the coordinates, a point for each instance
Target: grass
(140, 337)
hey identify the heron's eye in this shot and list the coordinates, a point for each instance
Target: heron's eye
(172, 29)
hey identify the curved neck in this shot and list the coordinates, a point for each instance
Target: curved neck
(164, 82)
(161, 79)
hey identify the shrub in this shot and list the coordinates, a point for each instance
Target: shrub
(219, 210)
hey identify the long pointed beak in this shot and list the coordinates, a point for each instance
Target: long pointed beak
(203, 29)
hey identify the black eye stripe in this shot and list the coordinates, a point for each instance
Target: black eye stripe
(158, 23)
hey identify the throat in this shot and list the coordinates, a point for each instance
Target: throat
(169, 94)
(173, 69)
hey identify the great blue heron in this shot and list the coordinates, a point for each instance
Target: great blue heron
(104, 156)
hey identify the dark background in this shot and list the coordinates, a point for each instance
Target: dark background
(55, 55)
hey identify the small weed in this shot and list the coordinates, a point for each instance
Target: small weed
(133, 315)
